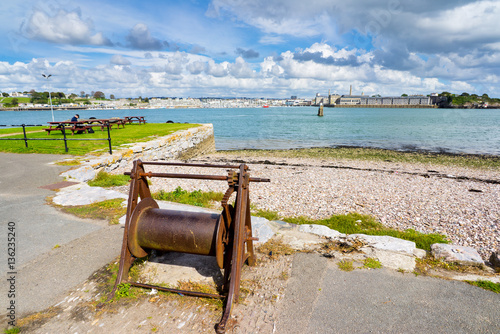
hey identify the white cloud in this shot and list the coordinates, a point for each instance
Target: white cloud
(140, 38)
(62, 28)
(119, 60)
(314, 69)
(241, 69)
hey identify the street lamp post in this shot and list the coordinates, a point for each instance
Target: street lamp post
(50, 98)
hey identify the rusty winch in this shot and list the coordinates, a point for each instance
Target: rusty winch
(227, 236)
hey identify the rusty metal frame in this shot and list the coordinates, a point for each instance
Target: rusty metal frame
(234, 230)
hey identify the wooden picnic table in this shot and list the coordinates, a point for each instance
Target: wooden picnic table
(139, 119)
(84, 125)
(68, 125)
(102, 122)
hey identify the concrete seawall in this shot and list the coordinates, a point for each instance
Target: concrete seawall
(179, 145)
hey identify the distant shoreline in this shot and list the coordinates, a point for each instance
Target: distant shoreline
(374, 154)
(315, 106)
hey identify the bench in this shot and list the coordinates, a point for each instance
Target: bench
(138, 119)
(70, 128)
(102, 123)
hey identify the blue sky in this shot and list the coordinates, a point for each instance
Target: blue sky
(259, 48)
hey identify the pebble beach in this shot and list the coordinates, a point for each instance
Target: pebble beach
(462, 203)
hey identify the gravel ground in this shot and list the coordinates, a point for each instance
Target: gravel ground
(462, 203)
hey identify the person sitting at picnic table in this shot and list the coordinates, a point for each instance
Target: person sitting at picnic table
(75, 119)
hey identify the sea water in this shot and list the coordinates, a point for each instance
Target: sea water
(475, 131)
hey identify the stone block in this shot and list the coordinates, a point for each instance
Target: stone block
(419, 253)
(495, 260)
(82, 174)
(320, 230)
(84, 195)
(387, 243)
(112, 167)
(390, 259)
(261, 229)
(456, 253)
(137, 149)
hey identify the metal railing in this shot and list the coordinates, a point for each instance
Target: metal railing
(25, 138)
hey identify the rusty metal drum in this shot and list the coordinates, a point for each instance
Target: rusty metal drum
(171, 230)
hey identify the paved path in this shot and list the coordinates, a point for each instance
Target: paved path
(45, 274)
(18, 133)
(320, 298)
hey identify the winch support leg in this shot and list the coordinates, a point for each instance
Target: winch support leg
(238, 249)
(138, 185)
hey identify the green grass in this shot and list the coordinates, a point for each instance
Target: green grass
(373, 154)
(487, 285)
(110, 210)
(13, 330)
(345, 265)
(372, 263)
(132, 133)
(355, 223)
(197, 197)
(105, 180)
(267, 214)
(8, 100)
(123, 290)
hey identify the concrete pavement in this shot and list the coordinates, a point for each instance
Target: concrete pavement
(320, 298)
(44, 274)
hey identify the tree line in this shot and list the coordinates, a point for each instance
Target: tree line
(58, 97)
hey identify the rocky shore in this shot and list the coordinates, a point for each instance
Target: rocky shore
(462, 203)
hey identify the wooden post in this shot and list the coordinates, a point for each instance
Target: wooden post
(320, 110)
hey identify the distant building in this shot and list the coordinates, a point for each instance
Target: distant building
(17, 94)
(321, 99)
(367, 101)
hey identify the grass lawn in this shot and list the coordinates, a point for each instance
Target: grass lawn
(19, 99)
(130, 134)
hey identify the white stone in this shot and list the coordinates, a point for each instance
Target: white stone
(261, 230)
(300, 240)
(456, 253)
(320, 230)
(391, 259)
(473, 277)
(82, 174)
(112, 167)
(387, 243)
(154, 144)
(419, 253)
(84, 195)
(136, 149)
